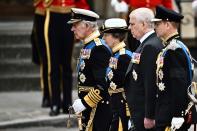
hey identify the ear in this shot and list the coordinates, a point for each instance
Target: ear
(144, 24)
(87, 26)
(168, 24)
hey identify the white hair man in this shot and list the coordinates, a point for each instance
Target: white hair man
(140, 78)
(93, 102)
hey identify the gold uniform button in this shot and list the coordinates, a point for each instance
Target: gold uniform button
(102, 101)
(122, 101)
(107, 102)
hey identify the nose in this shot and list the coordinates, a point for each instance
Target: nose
(129, 27)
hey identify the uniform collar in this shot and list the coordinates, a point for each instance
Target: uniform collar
(91, 37)
(146, 36)
(169, 38)
(118, 47)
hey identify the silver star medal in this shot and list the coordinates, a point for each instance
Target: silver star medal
(113, 85)
(134, 75)
(173, 45)
(110, 75)
(82, 78)
(82, 65)
(160, 74)
(161, 86)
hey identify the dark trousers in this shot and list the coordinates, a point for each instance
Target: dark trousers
(101, 120)
(61, 40)
(118, 107)
(40, 46)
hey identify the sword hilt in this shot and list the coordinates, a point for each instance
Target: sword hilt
(70, 110)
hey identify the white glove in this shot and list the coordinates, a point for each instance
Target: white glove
(121, 7)
(177, 122)
(114, 2)
(78, 106)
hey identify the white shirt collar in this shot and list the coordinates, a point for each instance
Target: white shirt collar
(146, 36)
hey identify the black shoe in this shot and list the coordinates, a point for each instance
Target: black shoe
(54, 111)
(45, 103)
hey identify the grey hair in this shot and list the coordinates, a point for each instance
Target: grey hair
(92, 25)
(143, 15)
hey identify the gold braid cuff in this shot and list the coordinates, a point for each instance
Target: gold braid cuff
(93, 97)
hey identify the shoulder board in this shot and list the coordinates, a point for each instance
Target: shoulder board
(97, 41)
(173, 45)
(122, 51)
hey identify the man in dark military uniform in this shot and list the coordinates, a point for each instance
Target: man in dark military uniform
(140, 86)
(115, 31)
(93, 100)
(174, 73)
(39, 49)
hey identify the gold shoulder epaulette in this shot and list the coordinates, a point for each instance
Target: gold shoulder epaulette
(97, 41)
(122, 51)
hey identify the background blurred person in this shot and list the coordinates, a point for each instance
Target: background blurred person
(59, 41)
(39, 49)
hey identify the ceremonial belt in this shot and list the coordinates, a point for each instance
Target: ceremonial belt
(85, 88)
(40, 11)
(118, 90)
(60, 9)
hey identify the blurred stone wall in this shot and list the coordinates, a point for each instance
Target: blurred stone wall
(16, 9)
